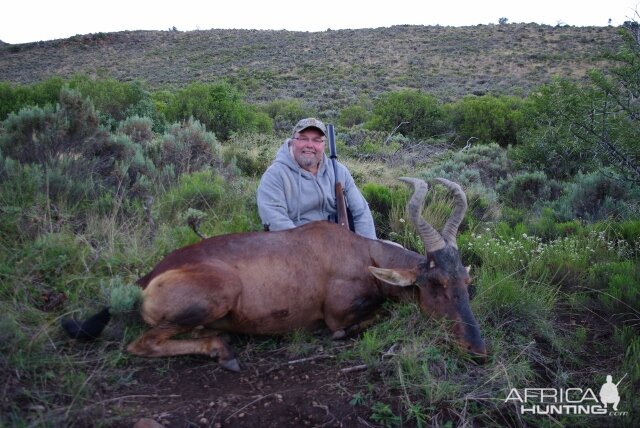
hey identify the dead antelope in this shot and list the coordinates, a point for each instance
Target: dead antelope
(274, 282)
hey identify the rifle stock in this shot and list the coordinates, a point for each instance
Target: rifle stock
(341, 205)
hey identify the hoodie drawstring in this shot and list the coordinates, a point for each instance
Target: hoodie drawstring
(299, 193)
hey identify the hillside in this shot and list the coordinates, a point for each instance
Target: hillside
(338, 65)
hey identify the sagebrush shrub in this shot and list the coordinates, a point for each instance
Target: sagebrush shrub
(33, 135)
(139, 129)
(188, 147)
(526, 189)
(597, 196)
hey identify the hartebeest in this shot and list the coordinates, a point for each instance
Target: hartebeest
(274, 282)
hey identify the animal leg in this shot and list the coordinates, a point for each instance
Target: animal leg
(157, 342)
(352, 329)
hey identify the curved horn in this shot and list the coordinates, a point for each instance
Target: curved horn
(450, 229)
(430, 237)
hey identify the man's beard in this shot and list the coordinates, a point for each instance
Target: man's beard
(307, 161)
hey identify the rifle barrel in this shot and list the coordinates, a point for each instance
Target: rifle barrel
(333, 154)
(341, 206)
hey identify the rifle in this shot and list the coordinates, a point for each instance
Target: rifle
(625, 375)
(342, 217)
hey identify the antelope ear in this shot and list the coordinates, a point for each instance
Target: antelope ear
(400, 277)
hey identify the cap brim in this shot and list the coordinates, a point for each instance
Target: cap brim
(313, 127)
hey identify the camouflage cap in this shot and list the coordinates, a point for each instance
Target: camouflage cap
(309, 122)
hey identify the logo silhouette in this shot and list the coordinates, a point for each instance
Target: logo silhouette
(609, 393)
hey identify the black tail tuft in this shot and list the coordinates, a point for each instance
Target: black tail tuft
(89, 329)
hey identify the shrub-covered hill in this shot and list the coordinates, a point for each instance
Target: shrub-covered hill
(334, 67)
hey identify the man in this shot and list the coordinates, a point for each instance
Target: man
(609, 393)
(299, 186)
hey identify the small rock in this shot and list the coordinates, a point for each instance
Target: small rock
(204, 421)
(147, 423)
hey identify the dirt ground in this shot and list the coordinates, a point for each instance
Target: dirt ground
(273, 390)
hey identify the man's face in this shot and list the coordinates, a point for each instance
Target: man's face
(307, 148)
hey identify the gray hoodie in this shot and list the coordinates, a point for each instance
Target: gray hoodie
(289, 196)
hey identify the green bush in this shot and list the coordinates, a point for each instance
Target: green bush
(286, 113)
(250, 154)
(382, 201)
(14, 98)
(484, 164)
(629, 230)
(247, 163)
(597, 196)
(477, 170)
(123, 296)
(526, 189)
(114, 100)
(351, 116)
(66, 143)
(619, 285)
(548, 151)
(44, 135)
(488, 118)
(199, 190)
(547, 226)
(217, 106)
(53, 257)
(425, 115)
(509, 297)
(362, 139)
(19, 192)
(32, 135)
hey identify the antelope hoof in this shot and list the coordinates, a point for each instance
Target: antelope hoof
(231, 365)
(338, 335)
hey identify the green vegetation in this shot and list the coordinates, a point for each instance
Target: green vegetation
(422, 113)
(219, 107)
(102, 178)
(488, 118)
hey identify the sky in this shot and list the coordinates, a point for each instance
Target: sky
(24, 21)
